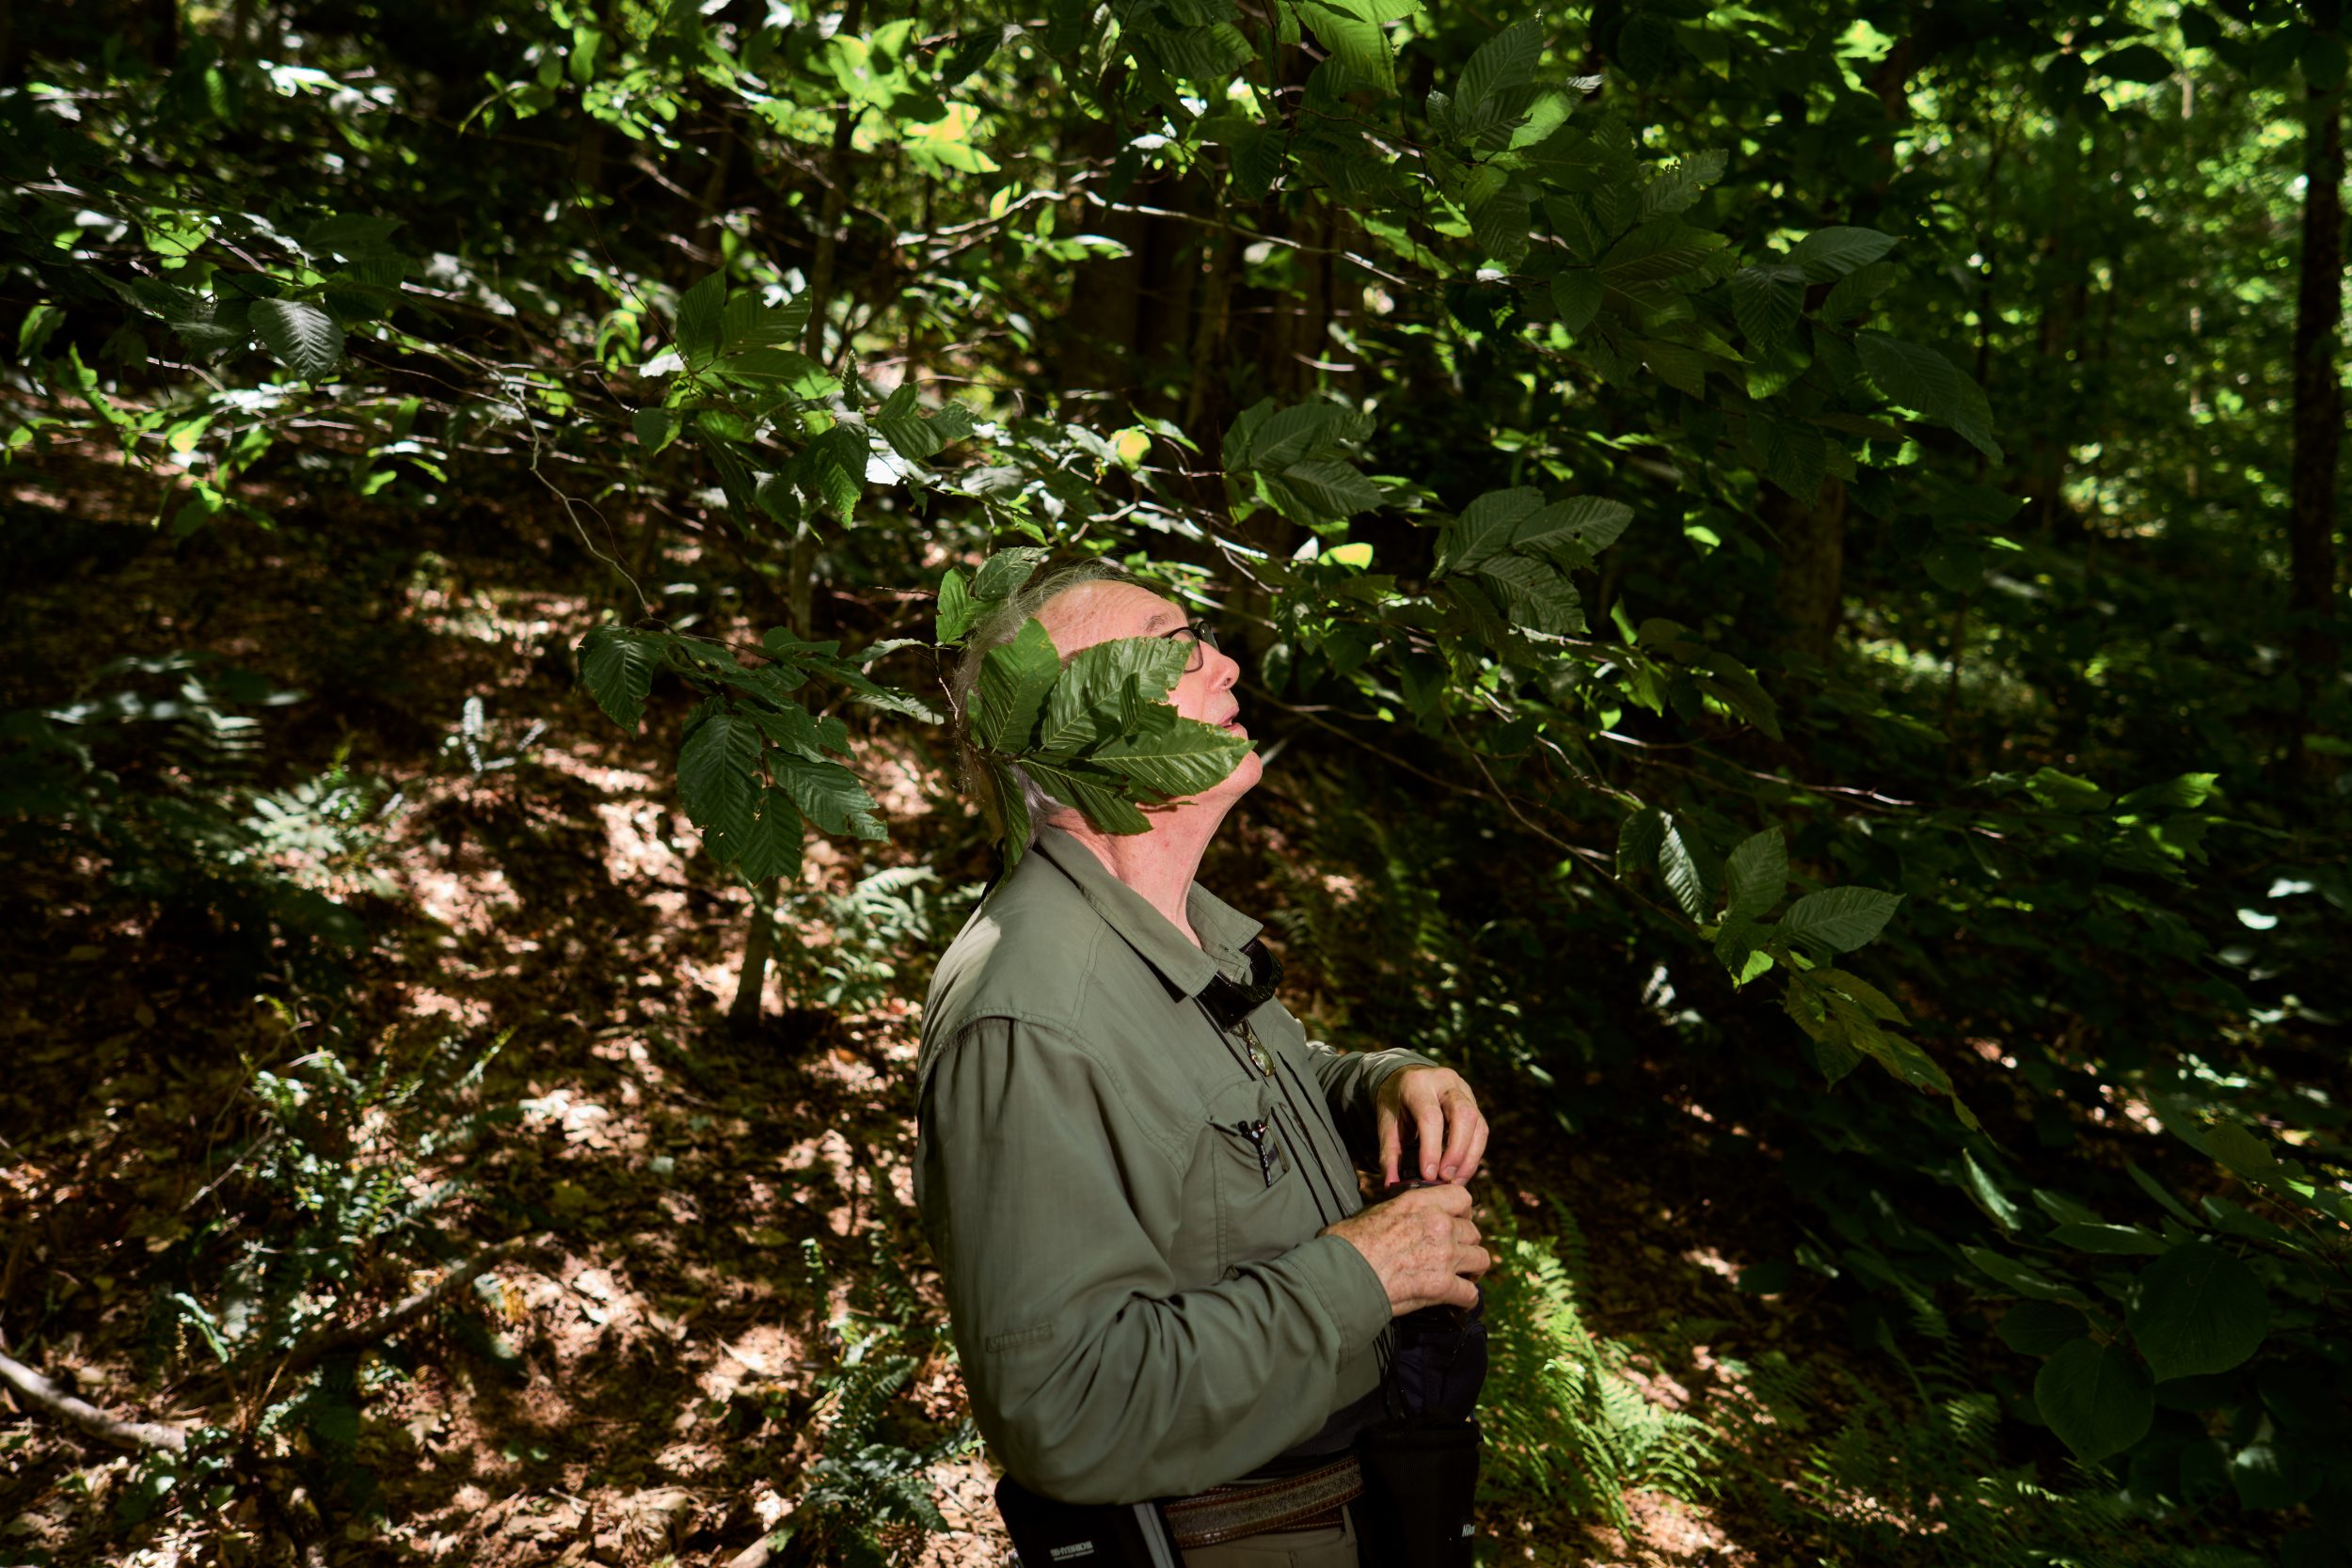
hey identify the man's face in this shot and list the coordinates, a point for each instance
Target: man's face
(1101, 611)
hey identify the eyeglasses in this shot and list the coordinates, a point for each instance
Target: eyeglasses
(1202, 635)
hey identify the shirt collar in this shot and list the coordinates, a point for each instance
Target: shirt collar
(1186, 970)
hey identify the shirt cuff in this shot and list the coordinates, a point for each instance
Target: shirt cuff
(1349, 1288)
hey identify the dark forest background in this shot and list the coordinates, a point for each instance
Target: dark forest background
(1787, 558)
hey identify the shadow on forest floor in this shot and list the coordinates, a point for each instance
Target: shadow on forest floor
(714, 1200)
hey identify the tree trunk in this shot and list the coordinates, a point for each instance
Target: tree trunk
(758, 949)
(2318, 420)
(1809, 593)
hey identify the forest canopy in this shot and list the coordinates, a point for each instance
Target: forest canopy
(1786, 564)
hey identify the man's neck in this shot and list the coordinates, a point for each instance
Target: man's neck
(1159, 864)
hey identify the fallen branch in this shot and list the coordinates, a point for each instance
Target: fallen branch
(389, 1322)
(39, 1392)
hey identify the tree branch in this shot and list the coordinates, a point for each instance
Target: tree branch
(45, 1396)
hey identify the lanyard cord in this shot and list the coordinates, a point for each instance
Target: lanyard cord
(1313, 1153)
(1307, 1127)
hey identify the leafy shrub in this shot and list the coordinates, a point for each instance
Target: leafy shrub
(153, 768)
(1561, 1417)
(867, 1500)
(873, 926)
(322, 1209)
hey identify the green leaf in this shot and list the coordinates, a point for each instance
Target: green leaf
(1360, 47)
(2243, 1153)
(1755, 875)
(2108, 1239)
(1532, 593)
(1088, 702)
(1677, 364)
(2237, 1221)
(1570, 534)
(216, 326)
(2039, 1327)
(832, 469)
(617, 666)
(1180, 760)
(2188, 792)
(2018, 1277)
(1281, 438)
(699, 313)
(773, 848)
(1828, 253)
(1577, 296)
(1680, 868)
(1014, 806)
(830, 795)
(746, 322)
(2095, 1397)
(1333, 488)
(2198, 1309)
(1014, 681)
(1002, 575)
(1875, 1001)
(1855, 291)
(1094, 795)
(1989, 1197)
(795, 371)
(795, 729)
(1657, 254)
(900, 423)
(715, 778)
(656, 428)
(1638, 837)
(1679, 183)
(955, 608)
(1923, 379)
(2278, 1469)
(1841, 918)
(1767, 302)
(1500, 225)
(1486, 528)
(305, 339)
(1644, 44)
(2155, 1190)
(1738, 947)
(1505, 61)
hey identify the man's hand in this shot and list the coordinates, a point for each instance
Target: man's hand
(1445, 1117)
(1422, 1245)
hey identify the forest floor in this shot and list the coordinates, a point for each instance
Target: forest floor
(712, 1205)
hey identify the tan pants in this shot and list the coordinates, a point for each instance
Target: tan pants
(1289, 1548)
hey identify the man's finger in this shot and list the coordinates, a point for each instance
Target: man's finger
(1389, 1150)
(1430, 1120)
(1462, 1123)
(1477, 1153)
(1446, 1200)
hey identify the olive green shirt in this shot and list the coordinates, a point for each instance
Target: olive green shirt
(1142, 1303)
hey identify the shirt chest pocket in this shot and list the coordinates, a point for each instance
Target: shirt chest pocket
(1263, 1204)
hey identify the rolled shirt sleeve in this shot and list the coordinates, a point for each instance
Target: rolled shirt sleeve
(1093, 1376)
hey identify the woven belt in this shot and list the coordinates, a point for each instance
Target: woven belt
(1234, 1511)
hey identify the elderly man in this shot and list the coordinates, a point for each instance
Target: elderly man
(1138, 1174)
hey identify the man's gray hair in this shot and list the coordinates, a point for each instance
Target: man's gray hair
(994, 628)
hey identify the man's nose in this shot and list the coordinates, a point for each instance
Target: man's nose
(1224, 670)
